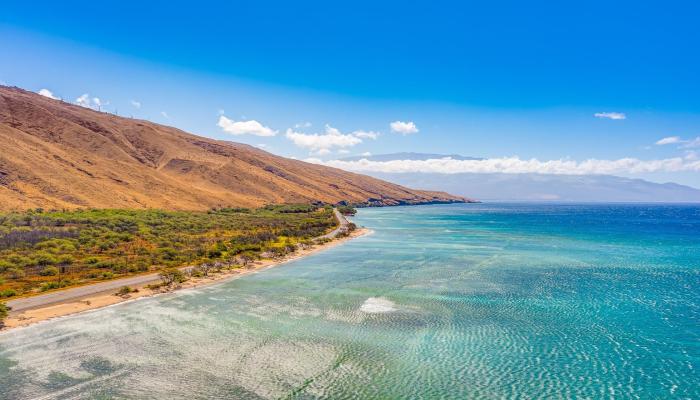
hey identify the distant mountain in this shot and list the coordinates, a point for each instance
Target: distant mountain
(55, 154)
(408, 156)
(539, 187)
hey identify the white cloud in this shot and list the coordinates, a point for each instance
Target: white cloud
(322, 143)
(515, 165)
(83, 100)
(303, 125)
(343, 151)
(136, 104)
(164, 114)
(610, 115)
(261, 145)
(366, 154)
(95, 103)
(668, 140)
(692, 143)
(403, 128)
(251, 127)
(366, 134)
(683, 143)
(48, 93)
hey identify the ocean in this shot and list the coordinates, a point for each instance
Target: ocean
(463, 301)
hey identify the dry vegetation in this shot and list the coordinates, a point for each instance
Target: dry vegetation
(59, 155)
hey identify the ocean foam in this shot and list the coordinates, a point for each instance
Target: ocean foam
(377, 305)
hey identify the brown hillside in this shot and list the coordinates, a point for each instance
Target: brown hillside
(58, 155)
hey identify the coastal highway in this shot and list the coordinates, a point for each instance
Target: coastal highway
(342, 226)
(77, 293)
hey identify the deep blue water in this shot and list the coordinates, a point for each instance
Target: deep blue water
(446, 302)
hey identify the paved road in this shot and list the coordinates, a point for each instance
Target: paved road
(343, 225)
(63, 296)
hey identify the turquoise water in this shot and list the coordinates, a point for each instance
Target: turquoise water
(440, 302)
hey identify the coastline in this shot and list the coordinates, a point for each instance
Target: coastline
(99, 300)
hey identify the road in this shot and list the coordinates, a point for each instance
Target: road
(63, 296)
(342, 226)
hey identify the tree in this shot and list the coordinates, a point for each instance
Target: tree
(4, 311)
(206, 268)
(172, 275)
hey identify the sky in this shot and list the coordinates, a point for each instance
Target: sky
(591, 87)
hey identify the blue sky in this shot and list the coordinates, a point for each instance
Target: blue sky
(498, 80)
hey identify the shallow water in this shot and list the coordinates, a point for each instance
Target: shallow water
(444, 302)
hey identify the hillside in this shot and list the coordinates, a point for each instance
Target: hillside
(55, 154)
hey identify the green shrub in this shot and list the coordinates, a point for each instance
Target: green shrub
(54, 285)
(170, 276)
(126, 290)
(8, 293)
(15, 273)
(43, 258)
(5, 265)
(49, 271)
(4, 311)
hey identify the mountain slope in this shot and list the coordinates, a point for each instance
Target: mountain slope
(58, 155)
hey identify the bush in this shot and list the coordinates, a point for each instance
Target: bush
(5, 265)
(49, 271)
(126, 290)
(54, 285)
(8, 293)
(4, 311)
(43, 259)
(172, 275)
(15, 273)
(347, 210)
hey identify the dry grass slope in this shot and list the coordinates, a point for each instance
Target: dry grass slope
(55, 154)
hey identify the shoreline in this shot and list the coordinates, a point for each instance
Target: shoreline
(108, 298)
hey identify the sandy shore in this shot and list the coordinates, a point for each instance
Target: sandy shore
(103, 299)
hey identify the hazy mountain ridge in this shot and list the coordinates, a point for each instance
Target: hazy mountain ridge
(408, 156)
(58, 155)
(540, 187)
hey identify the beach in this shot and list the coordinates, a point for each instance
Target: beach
(73, 305)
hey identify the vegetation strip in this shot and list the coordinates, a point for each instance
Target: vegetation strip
(68, 248)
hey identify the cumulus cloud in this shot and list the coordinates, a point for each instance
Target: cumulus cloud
(322, 143)
(48, 93)
(95, 102)
(136, 104)
(251, 127)
(83, 100)
(516, 165)
(303, 125)
(164, 114)
(366, 134)
(610, 115)
(366, 154)
(403, 128)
